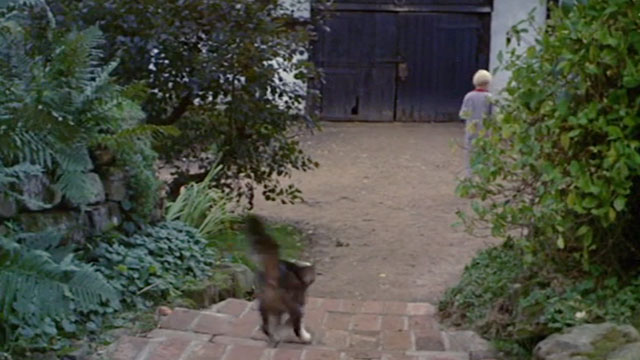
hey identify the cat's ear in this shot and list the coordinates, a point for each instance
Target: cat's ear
(305, 271)
(307, 274)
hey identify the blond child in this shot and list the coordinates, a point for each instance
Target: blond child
(476, 106)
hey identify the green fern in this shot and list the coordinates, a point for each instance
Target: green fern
(34, 285)
(127, 136)
(57, 105)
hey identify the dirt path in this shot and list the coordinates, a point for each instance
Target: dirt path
(379, 211)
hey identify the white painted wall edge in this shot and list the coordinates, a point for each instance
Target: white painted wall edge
(506, 14)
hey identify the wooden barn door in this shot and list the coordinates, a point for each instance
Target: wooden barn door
(357, 57)
(442, 52)
(399, 65)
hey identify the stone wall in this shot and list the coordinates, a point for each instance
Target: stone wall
(109, 203)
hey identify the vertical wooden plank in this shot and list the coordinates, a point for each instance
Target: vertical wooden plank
(355, 57)
(442, 52)
(360, 56)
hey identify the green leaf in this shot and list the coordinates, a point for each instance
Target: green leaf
(614, 131)
(565, 141)
(619, 203)
(583, 230)
(590, 202)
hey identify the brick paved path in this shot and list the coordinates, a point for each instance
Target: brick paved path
(342, 329)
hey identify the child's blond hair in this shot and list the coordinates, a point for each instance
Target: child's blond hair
(482, 78)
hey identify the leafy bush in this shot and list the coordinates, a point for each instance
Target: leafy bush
(558, 170)
(48, 297)
(54, 105)
(43, 288)
(155, 263)
(517, 306)
(58, 103)
(556, 177)
(217, 71)
(138, 160)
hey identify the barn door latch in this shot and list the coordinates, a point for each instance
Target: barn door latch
(403, 71)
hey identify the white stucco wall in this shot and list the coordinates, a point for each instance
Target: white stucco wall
(302, 10)
(507, 13)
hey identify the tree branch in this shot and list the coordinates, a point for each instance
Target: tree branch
(177, 112)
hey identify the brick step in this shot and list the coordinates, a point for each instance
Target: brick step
(176, 347)
(341, 329)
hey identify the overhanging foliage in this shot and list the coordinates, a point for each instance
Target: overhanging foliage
(222, 72)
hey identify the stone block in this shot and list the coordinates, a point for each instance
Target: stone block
(115, 213)
(41, 191)
(99, 219)
(72, 224)
(586, 340)
(466, 341)
(626, 352)
(115, 186)
(8, 207)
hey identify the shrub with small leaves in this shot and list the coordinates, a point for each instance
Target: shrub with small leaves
(156, 262)
(558, 168)
(556, 177)
(517, 306)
